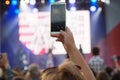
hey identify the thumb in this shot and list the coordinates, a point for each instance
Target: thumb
(62, 33)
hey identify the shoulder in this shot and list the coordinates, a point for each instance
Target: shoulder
(100, 59)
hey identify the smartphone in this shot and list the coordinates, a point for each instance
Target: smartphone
(58, 17)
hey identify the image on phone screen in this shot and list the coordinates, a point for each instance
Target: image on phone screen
(58, 16)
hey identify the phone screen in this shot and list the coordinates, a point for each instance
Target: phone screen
(58, 16)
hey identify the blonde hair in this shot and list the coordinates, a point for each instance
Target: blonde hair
(49, 74)
(69, 71)
(65, 71)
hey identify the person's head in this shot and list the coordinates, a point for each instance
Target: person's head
(116, 76)
(69, 71)
(49, 73)
(34, 70)
(95, 51)
(18, 78)
(103, 76)
(109, 70)
(66, 71)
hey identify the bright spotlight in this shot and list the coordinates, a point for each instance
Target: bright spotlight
(14, 2)
(27, 1)
(32, 2)
(93, 1)
(17, 11)
(51, 1)
(73, 8)
(93, 8)
(22, 2)
(71, 1)
(35, 10)
(7, 2)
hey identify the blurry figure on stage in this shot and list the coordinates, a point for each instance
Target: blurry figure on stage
(21, 58)
(81, 50)
(96, 62)
(50, 59)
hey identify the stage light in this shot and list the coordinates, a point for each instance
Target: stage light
(93, 8)
(51, 1)
(73, 8)
(23, 6)
(35, 10)
(32, 2)
(14, 2)
(71, 1)
(7, 2)
(93, 5)
(22, 2)
(27, 1)
(16, 11)
(94, 1)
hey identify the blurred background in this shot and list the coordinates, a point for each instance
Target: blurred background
(25, 30)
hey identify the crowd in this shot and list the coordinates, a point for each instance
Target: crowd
(73, 68)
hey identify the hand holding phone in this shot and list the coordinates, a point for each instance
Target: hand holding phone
(58, 17)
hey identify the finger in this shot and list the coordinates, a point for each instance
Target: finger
(55, 35)
(68, 30)
(59, 40)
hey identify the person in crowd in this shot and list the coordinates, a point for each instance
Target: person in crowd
(116, 76)
(66, 37)
(116, 71)
(1, 74)
(6, 69)
(66, 71)
(17, 72)
(102, 76)
(18, 78)
(33, 73)
(96, 62)
(109, 71)
(49, 73)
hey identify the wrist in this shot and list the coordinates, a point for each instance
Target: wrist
(72, 48)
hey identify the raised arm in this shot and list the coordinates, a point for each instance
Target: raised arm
(69, 44)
